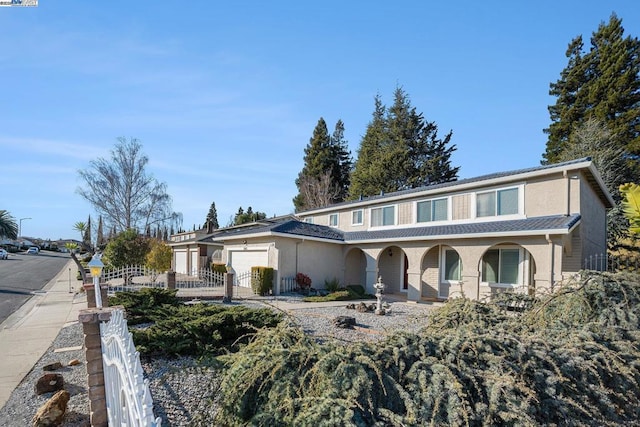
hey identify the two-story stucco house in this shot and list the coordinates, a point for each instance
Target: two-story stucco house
(524, 230)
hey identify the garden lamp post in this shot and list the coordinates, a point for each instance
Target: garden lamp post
(95, 267)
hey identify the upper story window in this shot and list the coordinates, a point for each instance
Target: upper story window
(309, 220)
(383, 216)
(499, 202)
(432, 210)
(333, 220)
(356, 217)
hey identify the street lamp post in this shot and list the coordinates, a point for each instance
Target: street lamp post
(20, 226)
(96, 266)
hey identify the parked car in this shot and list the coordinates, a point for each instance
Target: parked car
(33, 251)
(4, 254)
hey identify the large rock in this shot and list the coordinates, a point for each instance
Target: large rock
(52, 412)
(344, 322)
(48, 383)
(52, 366)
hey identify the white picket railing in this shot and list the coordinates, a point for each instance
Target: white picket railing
(127, 392)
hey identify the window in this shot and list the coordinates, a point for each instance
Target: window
(501, 202)
(333, 220)
(356, 217)
(309, 220)
(452, 265)
(432, 210)
(501, 266)
(383, 216)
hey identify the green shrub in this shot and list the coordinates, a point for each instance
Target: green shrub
(356, 289)
(573, 358)
(141, 305)
(201, 329)
(219, 268)
(332, 285)
(261, 280)
(334, 296)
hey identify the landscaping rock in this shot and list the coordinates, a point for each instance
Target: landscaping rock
(52, 366)
(48, 383)
(53, 411)
(74, 362)
(344, 322)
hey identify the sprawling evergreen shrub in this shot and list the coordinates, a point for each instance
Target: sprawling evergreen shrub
(572, 358)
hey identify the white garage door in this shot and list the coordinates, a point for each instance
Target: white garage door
(181, 262)
(194, 263)
(242, 261)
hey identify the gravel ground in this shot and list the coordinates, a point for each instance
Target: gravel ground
(184, 392)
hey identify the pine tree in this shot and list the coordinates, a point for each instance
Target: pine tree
(100, 240)
(401, 150)
(603, 83)
(368, 173)
(324, 155)
(86, 235)
(212, 217)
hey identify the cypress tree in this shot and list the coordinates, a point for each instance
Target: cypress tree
(604, 84)
(368, 174)
(212, 216)
(400, 150)
(324, 155)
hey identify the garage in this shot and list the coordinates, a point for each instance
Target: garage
(181, 262)
(242, 261)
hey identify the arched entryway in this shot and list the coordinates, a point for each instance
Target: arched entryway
(392, 267)
(441, 273)
(508, 267)
(355, 268)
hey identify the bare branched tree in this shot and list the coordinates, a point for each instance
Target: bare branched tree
(123, 193)
(318, 192)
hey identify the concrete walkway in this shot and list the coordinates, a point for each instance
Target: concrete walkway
(27, 334)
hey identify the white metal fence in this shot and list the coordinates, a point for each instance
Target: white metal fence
(133, 278)
(126, 391)
(606, 262)
(288, 284)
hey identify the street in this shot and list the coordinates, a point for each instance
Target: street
(22, 274)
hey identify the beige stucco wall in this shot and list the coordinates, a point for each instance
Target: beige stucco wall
(594, 220)
(319, 260)
(545, 196)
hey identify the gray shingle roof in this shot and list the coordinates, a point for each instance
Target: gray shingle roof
(557, 222)
(303, 229)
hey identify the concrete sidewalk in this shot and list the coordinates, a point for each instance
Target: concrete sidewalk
(27, 334)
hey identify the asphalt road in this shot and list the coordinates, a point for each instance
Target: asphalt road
(22, 274)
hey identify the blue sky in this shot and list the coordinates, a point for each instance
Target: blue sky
(224, 97)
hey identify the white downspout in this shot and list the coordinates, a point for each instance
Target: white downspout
(567, 178)
(551, 261)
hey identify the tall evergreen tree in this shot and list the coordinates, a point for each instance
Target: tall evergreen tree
(324, 154)
(342, 162)
(368, 175)
(401, 150)
(86, 235)
(100, 240)
(212, 217)
(604, 84)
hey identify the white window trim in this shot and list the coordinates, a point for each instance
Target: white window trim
(474, 204)
(361, 217)
(521, 269)
(309, 220)
(442, 221)
(337, 215)
(395, 217)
